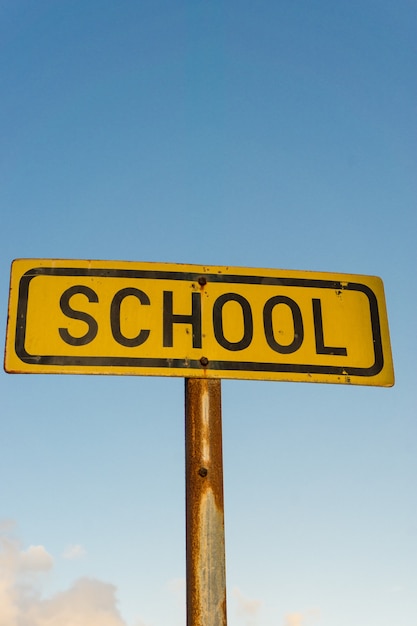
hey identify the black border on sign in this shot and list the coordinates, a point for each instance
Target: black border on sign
(195, 364)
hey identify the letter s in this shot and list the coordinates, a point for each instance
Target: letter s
(67, 310)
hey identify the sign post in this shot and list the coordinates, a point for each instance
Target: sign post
(203, 324)
(205, 545)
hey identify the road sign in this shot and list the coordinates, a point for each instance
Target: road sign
(105, 317)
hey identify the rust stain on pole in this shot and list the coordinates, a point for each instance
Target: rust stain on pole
(206, 570)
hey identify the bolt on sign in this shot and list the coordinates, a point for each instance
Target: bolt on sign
(111, 317)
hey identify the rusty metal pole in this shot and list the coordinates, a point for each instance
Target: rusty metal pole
(205, 546)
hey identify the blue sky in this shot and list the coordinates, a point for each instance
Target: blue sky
(268, 134)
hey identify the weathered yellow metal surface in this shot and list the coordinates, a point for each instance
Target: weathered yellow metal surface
(111, 317)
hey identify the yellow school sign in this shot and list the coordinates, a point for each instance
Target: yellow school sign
(111, 317)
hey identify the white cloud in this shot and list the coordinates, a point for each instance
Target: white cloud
(294, 619)
(14, 561)
(247, 608)
(302, 619)
(87, 602)
(74, 552)
(35, 559)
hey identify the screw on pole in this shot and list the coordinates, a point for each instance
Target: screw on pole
(205, 545)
